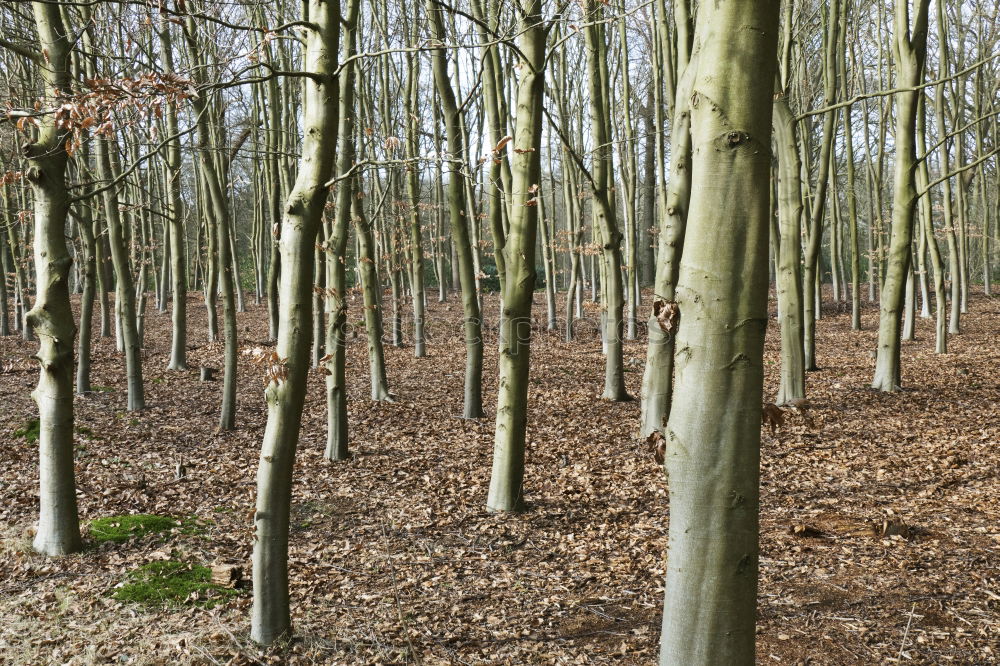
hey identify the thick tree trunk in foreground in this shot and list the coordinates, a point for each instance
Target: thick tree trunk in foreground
(286, 390)
(52, 318)
(713, 445)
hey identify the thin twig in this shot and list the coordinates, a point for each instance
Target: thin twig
(906, 632)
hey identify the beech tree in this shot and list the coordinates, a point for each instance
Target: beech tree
(58, 531)
(910, 51)
(713, 433)
(506, 481)
(289, 363)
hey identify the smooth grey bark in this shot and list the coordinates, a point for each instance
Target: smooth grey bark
(214, 203)
(285, 392)
(506, 480)
(85, 225)
(52, 317)
(812, 281)
(910, 51)
(337, 425)
(713, 436)
(927, 222)
(673, 193)
(792, 385)
(416, 250)
(175, 225)
(604, 217)
(370, 290)
(473, 393)
(124, 287)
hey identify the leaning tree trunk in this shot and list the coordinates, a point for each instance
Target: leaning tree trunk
(713, 437)
(289, 368)
(910, 48)
(52, 317)
(215, 204)
(473, 400)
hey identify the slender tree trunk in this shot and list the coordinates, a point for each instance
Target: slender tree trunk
(812, 281)
(674, 195)
(927, 220)
(85, 225)
(910, 46)
(603, 209)
(416, 264)
(371, 290)
(285, 393)
(473, 401)
(506, 481)
(789, 277)
(124, 290)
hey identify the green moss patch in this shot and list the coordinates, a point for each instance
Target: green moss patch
(29, 431)
(172, 582)
(123, 528)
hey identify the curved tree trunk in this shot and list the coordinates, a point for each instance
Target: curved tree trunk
(286, 389)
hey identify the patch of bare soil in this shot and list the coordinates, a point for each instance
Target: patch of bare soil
(880, 521)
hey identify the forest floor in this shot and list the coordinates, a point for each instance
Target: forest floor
(880, 517)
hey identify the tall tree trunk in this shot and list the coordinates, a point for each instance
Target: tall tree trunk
(285, 393)
(371, 291)
(416, 263)
(603, 209)
(52, 317)
(674, 194)
(910, 47)
(473, 400)
(506, 480)
(713, 439)
(124, 288)
(927, 221)
(812, 280)
(789, 278)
